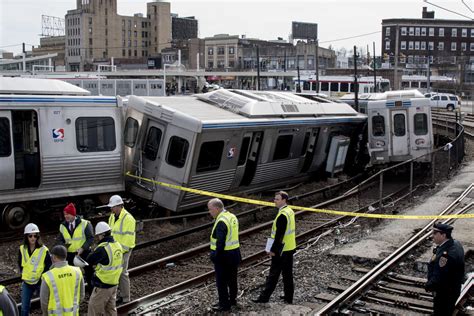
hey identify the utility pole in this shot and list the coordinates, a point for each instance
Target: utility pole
(428, 75)
(356, 84)
(258, 69)
(317, 66)
(298, 85)
(396, 82)
(375, 68)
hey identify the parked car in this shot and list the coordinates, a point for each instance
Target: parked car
(445, 100)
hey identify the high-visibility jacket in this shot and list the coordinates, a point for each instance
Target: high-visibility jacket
(64, 285)
(1, 291)
(232, 237)
(77, 239)
(123, 230)
(110, 273)
(289, 239)
(32, 266)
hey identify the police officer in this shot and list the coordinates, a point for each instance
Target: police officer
(33, 259)
(62, 287)
(122, 224)
(225, 253)
(7, 303)
(107, 258)
(282, 251)
(445, 270)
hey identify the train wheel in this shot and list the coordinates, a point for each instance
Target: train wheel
(15, 216)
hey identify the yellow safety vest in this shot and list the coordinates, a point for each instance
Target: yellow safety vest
(32, 267)
(232, 237)
(110, 274)
(78, 237)
(64, 285)
(1, 291)
(289, 239)
(123, 230)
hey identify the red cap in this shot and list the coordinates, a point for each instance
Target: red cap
(70, 209)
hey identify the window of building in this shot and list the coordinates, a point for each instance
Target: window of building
(283, 147)
(387, 31)
(131, 132)
(431, 31)
(5, 137)
(387, 45)
(464, 47)
(464, 32)
(123, 52)
(403, 31)
(453, 46)
(472, 32)
(378, 125)
(90, 41)
(135, 33)
(135, 54)
(403, 45)
(471, 47)
(454, 32)
(441, 46)
(123, 23)
(177, 151)
(417, 31)
(417, 45)
(129, 24)
(210, 51)
(441, 31)
(152, 143)
(231, 63)
(220, 50)
(399, 128)
(411, 31)
(210, 156)
(430, 45)
(410, 45)
(95, 134)
(135, 43)
(231, 50)
(423, 31)
(421, 124)
(210, 64)
(423, 45)
(220, 63)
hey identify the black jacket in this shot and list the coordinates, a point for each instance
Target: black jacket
(99, 255)
(446, 267)
(220, 255)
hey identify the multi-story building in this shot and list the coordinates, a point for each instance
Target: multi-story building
(52, 45)
(410, 43)
(95, 33)
(183, 28)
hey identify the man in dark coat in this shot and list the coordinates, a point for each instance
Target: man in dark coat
(445, 270)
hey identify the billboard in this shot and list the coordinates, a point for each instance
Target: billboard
(303, 30)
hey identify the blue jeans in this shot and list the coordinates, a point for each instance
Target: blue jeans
(27, 291)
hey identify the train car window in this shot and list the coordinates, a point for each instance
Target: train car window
(5, 137)
(378, 125)
(305, 144)
(131, 131)
(210, 156)
(95, 134)
(421, 124)
(334, 87)
(399, 124)
(423, 84)
(283, 146)
(344, 87)
(324, 86)
(306, 85)
(313, 86)
(152, 144)
(352, 87)
(244, 149)
(177, 151)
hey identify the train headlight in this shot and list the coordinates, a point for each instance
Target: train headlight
(420, 141)
(379, 143)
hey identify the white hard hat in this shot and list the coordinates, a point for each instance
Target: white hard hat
(101, 228)
(31, 229)
(79, 262)
(115, 200)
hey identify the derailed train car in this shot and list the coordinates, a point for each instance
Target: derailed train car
(232, 141)
(56, 142)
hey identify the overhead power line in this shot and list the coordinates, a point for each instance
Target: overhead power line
(454, 12)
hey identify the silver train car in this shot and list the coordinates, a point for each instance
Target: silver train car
(56, 141)
(399, 127)
(233, 141)
(120, 87)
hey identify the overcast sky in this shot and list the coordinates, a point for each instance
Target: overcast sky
(20, 20)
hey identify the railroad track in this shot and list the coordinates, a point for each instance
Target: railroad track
(382, 291)
(446, 120)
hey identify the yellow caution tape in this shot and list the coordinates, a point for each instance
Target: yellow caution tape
(294, 207)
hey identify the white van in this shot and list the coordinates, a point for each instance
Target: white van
(444, 100)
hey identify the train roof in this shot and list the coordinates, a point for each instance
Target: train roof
(35, 86)
(388, 95)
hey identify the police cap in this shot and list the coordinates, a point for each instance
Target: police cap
(443, 228)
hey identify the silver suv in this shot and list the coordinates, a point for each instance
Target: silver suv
(444, 100)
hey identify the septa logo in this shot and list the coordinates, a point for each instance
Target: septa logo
(58, 134)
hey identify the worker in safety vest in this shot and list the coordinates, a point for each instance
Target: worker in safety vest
(62, 287)
(282, 249)
(225, 253)
(107, 259)
(7, 303)
(122, 224)
(33, 260)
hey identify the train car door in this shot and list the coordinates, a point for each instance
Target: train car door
(150, 156)
(243, 152)
(7, 158)
(399, 133)
(310, 149)
(252, 158)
